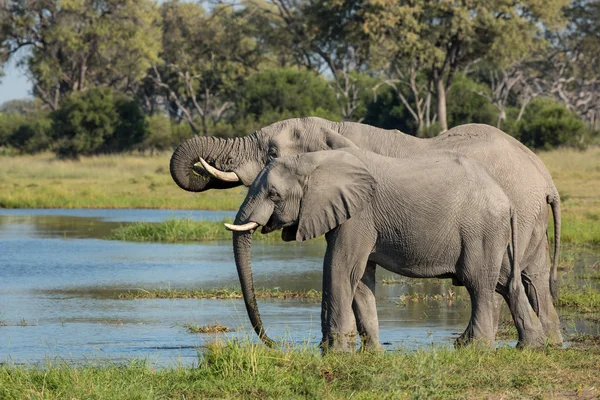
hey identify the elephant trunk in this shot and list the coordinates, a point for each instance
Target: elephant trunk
(242, 243)
(223, 154)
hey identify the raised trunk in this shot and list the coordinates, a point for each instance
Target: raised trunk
(217, 152)
(242, 242)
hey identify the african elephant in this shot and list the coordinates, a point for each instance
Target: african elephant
(203, 163)
(439, 215)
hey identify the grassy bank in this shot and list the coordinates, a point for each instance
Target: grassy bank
(231, 370)
(113, 181)
(181, 230)
(221, 293)
(177, 230)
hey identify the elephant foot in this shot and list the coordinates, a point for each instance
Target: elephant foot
(465, 338)
(369, 345)
(532, 343)
(551, 327)
(338, 342)
(478, 343)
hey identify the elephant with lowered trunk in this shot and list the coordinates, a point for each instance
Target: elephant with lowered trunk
(203, 163)
(439, 215)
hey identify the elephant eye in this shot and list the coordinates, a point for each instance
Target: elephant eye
(272, 153)
(273, 195)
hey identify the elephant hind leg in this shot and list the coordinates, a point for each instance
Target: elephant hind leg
(536, 276)
(529, 327)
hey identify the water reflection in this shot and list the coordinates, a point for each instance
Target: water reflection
(60, 281)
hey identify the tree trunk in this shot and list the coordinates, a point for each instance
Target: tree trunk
(441, 103)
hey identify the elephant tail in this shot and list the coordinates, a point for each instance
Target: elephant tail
(516, 268)
(554, 201)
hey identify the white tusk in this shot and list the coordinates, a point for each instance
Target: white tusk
(242, 228)
(223, 176)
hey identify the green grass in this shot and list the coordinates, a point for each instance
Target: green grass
(577, 177)
(177, 230)
(232, 370)
(583, 300)
(181, 230)
(108, 181)
(221, 293)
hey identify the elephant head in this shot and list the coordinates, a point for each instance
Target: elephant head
(305, 195)
(203, 163)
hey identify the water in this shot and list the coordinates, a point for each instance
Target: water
(59, 280)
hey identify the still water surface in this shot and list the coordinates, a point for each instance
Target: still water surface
(59, 279)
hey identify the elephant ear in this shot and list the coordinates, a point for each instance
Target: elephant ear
(334, 140)
(338, 188)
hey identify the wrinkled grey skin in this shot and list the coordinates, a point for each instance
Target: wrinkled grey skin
(519, 172)
(438, 216)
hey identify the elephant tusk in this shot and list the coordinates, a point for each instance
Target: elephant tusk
(223, 176)
(242, 228)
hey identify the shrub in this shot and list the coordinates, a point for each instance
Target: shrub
(131, 128)
(97, 120)
(163, 134)
(547, 124)
(465, 104)
(387, 112)
(286, 93)
(9, 123)
(32, 135)
(159, 133)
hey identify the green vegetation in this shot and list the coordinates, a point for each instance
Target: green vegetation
(547, 124)
(177, 230)
(97, 121)
(577, 177)
(221, 293)
(585, 300)
(234, 370)
(109, 181)
(215, 328)
(173, 68)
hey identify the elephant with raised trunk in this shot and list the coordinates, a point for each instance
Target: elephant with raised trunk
(439, 215)
(203, 163)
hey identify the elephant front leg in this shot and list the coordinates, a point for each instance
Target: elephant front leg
(344, 266)
(365, 309)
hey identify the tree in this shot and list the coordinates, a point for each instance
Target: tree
(206, 56)
(74, 45)
(323, 36)
(447, 36)
(471, 102)
(569, 72)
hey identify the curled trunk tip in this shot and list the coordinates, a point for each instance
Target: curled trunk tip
(183, 167)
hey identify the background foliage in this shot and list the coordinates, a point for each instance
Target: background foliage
(112, 76)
